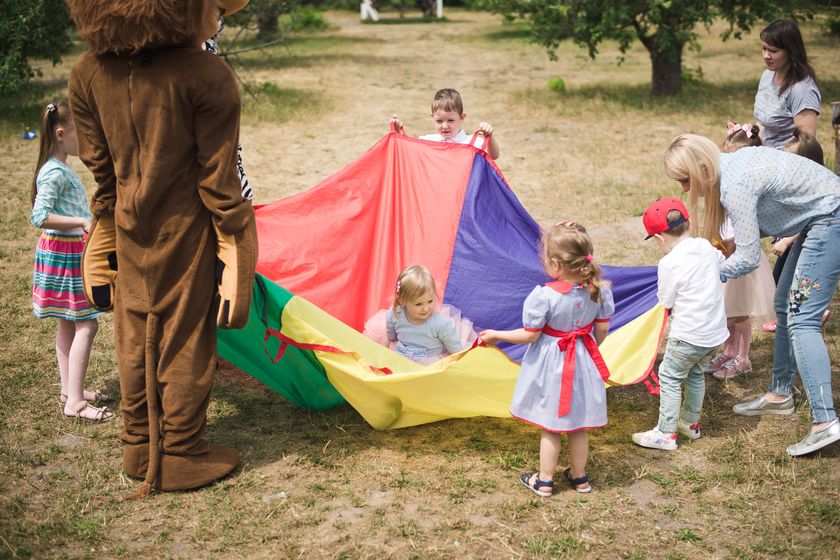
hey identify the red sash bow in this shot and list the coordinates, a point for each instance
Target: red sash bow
(567, 342)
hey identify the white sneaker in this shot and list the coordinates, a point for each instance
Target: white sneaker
(654, 439)
(691, 431)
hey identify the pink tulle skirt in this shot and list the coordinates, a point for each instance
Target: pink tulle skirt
(376, 331)
(752, 295)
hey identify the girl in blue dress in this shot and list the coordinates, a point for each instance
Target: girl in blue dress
(561, 384)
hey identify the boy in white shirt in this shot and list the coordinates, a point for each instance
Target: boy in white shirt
(690, 287)
(448, 115)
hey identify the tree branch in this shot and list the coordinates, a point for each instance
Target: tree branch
(226, 54)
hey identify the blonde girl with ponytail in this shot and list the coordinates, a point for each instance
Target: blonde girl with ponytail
(561, 383)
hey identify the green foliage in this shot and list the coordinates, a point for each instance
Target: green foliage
(687, 535)
(265, 14)
(305, 18)
(30, 29)
(557, 84)
(691, 75)
(664, 27)
(832, 26)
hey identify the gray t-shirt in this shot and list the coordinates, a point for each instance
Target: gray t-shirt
(775, 112)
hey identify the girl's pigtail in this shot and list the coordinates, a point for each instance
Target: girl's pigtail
(591, 275)
(45, 145)
(396, 303)
(56, 114)
(595, 282)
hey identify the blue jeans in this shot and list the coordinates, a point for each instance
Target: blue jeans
(806, 287)
(683, 363)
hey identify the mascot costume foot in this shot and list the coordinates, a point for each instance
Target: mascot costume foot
(173, 246)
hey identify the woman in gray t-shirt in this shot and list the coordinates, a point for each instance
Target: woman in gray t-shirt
(787, 96)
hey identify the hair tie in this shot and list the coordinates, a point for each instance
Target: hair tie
(733, 127)
(51, 107)
(398, 286)
(589, 258)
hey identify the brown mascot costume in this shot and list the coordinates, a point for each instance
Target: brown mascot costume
(173, 245)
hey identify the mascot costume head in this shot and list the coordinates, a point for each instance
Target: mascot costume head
(173, 245)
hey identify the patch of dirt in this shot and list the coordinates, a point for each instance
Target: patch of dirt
(644, 492)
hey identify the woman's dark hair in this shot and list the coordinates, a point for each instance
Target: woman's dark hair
(784, 34)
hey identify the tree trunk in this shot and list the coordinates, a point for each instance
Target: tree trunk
(667, 72)
(267, 21)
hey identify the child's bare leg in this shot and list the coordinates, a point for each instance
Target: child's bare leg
(77, 362)
(578, 452)
(549, 453)
(64, 333)
(743, 326)
(730, 347)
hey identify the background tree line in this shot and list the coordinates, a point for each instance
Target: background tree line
(41, 29)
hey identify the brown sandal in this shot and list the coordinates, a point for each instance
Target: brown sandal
(101, 414)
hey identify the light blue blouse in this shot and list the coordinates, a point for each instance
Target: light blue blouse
(60, 191)
(771, 192)
(426, 340)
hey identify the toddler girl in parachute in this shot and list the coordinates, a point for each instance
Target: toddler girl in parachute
(414, 326)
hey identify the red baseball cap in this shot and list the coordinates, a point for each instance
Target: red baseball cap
(655, 217)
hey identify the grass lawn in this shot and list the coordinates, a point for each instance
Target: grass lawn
(326, 485)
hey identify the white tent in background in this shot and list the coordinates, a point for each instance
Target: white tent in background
(368, 12)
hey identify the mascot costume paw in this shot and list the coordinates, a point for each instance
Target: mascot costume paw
(174, 245)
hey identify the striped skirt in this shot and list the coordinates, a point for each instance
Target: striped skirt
(57, 289)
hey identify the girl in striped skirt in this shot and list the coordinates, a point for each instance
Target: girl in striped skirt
(59, 205)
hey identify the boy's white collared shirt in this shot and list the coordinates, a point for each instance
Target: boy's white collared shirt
(460, 138)
(690, 286)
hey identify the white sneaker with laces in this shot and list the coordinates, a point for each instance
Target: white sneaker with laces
(691, 431)
(654, 439)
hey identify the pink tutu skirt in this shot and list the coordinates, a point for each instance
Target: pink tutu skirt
(752, 295)
(376, 331)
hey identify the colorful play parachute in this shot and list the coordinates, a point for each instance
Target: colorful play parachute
(337, 249)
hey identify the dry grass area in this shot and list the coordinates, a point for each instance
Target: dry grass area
(325, 485)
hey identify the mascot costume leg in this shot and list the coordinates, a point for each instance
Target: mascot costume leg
(173, 245)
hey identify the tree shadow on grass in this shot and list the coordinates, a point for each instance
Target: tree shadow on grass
(264, 427)
(511, 32)
(700, 96)
(274, 60)
(409, 20)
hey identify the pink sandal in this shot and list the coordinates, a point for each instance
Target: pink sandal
(718, 362)
(769, 327)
